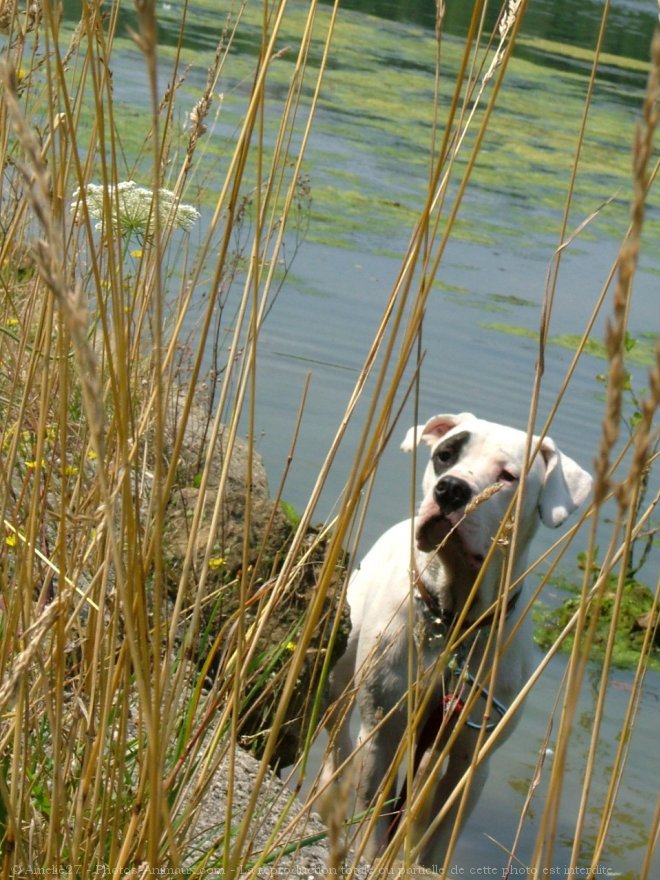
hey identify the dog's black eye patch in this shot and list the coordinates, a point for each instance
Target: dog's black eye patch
(449, 451)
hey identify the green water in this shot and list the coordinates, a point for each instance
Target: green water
(377, 105)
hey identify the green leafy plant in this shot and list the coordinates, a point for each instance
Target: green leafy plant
(636, 613)
(630, 611)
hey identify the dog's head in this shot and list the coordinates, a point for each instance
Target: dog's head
(473, 460)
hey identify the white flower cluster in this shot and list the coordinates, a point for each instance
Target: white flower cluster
(131, 207)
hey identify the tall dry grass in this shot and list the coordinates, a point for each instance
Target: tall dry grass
(109, 734)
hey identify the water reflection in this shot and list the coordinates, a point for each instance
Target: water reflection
(629, 30)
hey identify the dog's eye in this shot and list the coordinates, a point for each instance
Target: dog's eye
(507, 477)
(443, 456)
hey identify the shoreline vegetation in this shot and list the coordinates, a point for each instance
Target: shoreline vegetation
(160, 608)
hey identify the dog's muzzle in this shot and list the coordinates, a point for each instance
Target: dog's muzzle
(451, 493)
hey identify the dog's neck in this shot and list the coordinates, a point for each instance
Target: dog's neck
(449, 581)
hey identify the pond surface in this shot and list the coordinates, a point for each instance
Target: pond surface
(368, 168)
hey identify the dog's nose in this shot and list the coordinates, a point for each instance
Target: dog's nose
(451, 493)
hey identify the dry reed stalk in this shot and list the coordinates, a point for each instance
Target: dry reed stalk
(47, 250)
(492, 738)
(615, 338)
(377, 427)
(13, 18)
(50, 255)
(546, 311)
(628, 489)
(615, 342)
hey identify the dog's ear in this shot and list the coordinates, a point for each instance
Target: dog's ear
(565, 487)
(433, 430)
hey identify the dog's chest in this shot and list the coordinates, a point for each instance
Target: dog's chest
(430, 629)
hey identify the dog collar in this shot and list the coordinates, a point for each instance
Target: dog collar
(445, 617)
(442, 615)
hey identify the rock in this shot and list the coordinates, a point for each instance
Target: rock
(301, 833)
(270, 537)
(296, 841)
(269, 526)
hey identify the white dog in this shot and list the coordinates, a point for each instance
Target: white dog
(469, 484)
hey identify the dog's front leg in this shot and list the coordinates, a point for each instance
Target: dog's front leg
(434, 851)
(341, 698)
(380, 737)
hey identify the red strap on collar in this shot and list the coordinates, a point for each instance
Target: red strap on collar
(452, 705)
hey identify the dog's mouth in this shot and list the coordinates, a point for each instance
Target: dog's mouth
(435, 531)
